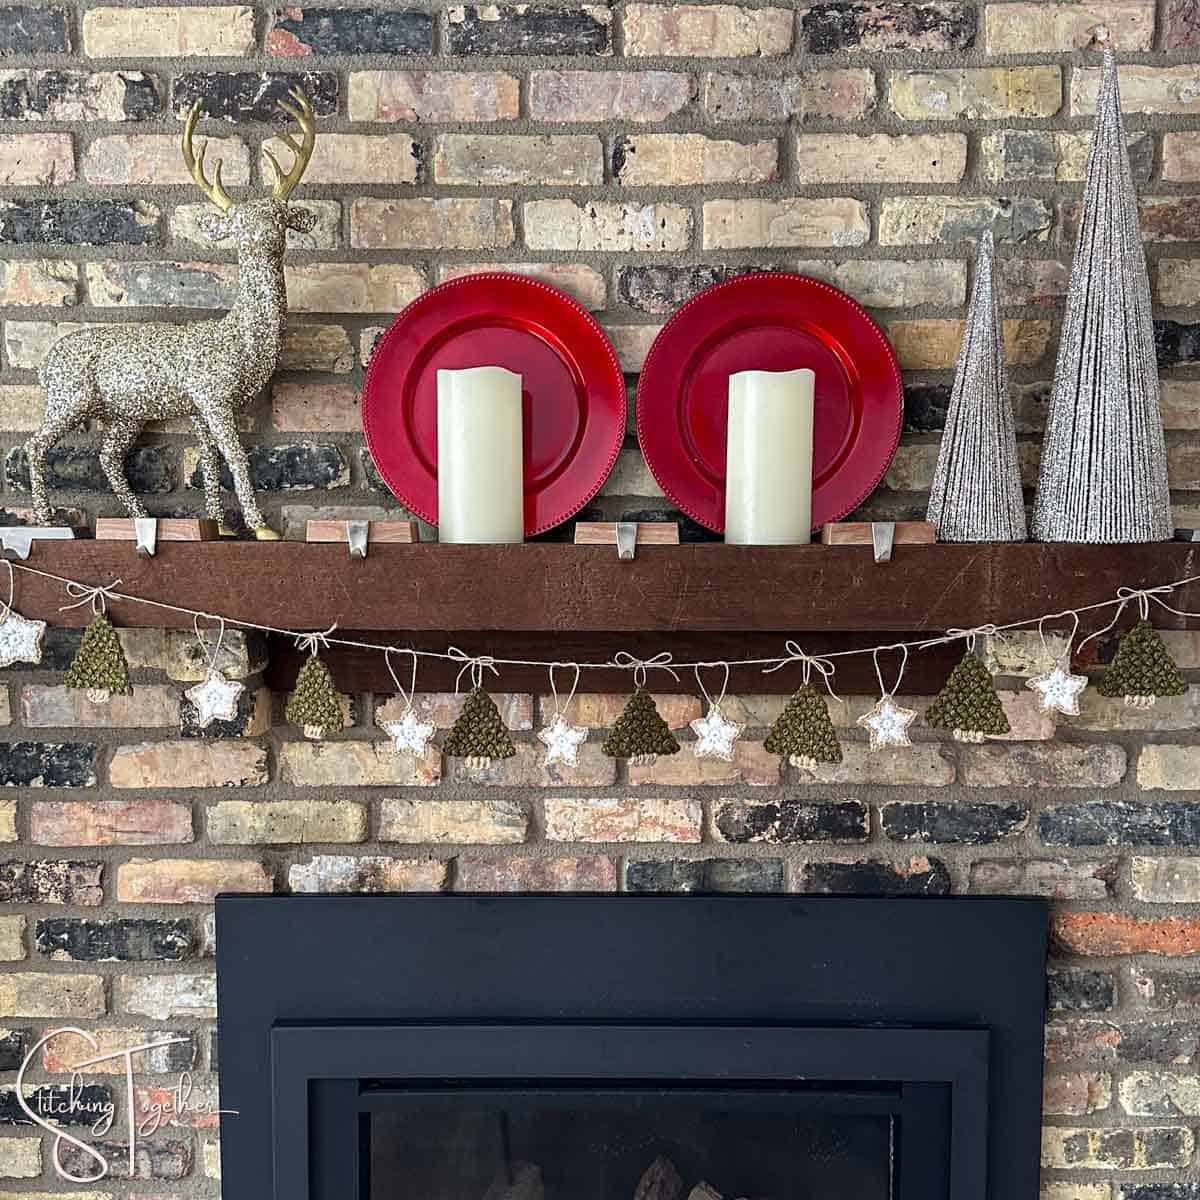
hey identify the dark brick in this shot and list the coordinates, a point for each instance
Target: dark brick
(921, 877)
(51, 881)
(835, 27)
(1182, 20)
(73, 96)
(151, 470)
(1176, 344)
(531, 29)
(153, 1158)
(305, 465)
(705, 875)
(59, 1104)
(188, 727)
(1161, 989)
(662, 289)
(1151, 1042)
(28, 30)
(213, 1057)
(925, 407)
(252, 95)
(13, 1048)
(785, 821)
(958, 822)
(78, 222)
(1159, 1191)
(1120, 822)
(1080, 991)
(47, 764)
(350, 31)
(129, 939)
(689, 531)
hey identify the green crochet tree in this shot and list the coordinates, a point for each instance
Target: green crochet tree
(968, 704)
(803, 732)
(99, 667)
(640, 734)
(315, 704)
(479, 734)
(1142, 669)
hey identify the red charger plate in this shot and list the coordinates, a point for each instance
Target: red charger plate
(769, 322)
(573, 390)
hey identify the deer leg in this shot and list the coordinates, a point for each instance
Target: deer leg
(56, 423)
(114, 446)
(224, 431)
(210, 468)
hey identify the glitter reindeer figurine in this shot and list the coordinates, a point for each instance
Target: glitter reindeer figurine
(125, 376)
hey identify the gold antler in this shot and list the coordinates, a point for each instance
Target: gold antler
(215, 191)
(302, 114)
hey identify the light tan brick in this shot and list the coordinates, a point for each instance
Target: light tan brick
(188, 764)
(800, 221)
(527, 769)
(889, 283)
(1178, 282)
(316, 348)
(427, 223)
(505, 160)
(1055, 28)
(45, 995)
(371, 158)
(930, 344)
(1076, 1191)
(128, 283)
(371, 873)
(110, 822)
(1144, 89)
(1160, 1094)
(623, 820)
(1018, 155)
(632, 343)
(1049, 765)
(1169, 768)
(590, 873)
(687, 159)
(1165, 880)
(461, 822)
(60, 1055)
(20, 1158)
(976, 93)
(283, 822)
(152, 706)
(840, 95)
(432, 96)
(26, 343)
(31, 282)
(163, 997)
(905, 220)
(598, 710)
(1167, 713)
(444, 708)
(154, 158)
(165, 32)
(585, 283)
(880, 158)
(921, 765)
(316, 408)
(353, 287)
(12, 939)
(751, 765)
(187, 880)
(186, 658)
(8, 820)
(707, 30)
(22, 405)
(1181, 157)
(356, 764)
(605, 225)
(635, 96)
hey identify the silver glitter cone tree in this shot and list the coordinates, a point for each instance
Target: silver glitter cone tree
(1104, 465)
(976, 492)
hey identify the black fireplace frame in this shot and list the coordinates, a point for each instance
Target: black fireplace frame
(930, 1010)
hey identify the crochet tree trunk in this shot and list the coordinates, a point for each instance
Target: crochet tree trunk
(640, 734)
(803, 732)
(1142, 669)
(479, 734)
(315, 704)
(968, 705)
(100, 668)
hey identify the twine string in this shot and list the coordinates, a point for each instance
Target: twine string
(406, 700)
(704, 691)
(559, 709)
(902, 647)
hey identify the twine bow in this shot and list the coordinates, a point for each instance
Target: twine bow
(639, 666)
(969, 635)
(475, 663)
(83, 593)
(312, 642)
(808, 664)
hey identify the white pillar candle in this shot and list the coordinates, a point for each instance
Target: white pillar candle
(768, 462)
(481, 476)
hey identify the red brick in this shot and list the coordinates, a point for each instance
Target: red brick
(585, 874)
(110, 822)
(1106, 934)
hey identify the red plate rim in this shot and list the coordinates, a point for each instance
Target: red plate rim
(786, 277)
(433, 295)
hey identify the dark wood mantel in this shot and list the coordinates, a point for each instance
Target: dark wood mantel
(550, 600)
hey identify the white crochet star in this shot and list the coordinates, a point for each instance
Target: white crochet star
(410, 735)
(1059, 690)
(20, 639)
(562, 741)
(887, 724)
(216, 698)
(715, 734)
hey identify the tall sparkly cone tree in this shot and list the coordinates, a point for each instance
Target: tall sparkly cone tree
(1104, 465)
(976, 492)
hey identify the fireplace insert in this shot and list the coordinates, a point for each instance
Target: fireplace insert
(630, 1047)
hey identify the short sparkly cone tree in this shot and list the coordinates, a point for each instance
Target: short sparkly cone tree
(315, 704)
(640, 734)
(968, 705)
(803, 732)
(479, 734)
(1142, 669)
(99, 668)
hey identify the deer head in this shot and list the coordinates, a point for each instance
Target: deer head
(257, 226)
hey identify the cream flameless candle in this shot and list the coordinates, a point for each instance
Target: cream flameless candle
(768, 463)
(481, 477)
